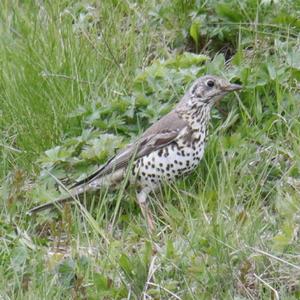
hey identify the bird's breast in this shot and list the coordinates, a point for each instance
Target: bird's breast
(167, 163)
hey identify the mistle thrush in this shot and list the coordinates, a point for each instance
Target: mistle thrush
(171, 147)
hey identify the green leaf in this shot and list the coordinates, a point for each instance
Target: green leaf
(100, 148)
(186, 60)
(66, 272)
(285, 236)
(170, 249)
(19, 257)
(195, 31)
(126, 264)
(271, 70)
(293, 60)
(227, 11)
(216, 66)
(58, 154)
(101, 282)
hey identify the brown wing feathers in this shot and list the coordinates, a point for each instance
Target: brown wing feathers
(158, 135)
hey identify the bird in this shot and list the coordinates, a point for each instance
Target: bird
(172, 147)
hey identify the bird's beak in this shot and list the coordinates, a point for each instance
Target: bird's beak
(233, 87)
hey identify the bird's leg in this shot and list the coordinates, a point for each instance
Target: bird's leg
(142, 201)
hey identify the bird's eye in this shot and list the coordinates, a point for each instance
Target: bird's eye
(210, 83)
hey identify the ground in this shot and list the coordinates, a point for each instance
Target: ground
(80, 79)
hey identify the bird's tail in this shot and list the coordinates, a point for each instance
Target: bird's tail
(75, 191)
(49, 205)
(70, 197)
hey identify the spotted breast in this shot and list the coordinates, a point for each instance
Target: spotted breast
(179, 157)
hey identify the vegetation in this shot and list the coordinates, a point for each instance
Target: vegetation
(79, 79)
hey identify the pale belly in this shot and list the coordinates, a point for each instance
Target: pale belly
(167, 163)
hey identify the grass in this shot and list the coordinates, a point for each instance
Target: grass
(79, 80)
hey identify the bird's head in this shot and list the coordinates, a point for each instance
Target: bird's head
(209, 89)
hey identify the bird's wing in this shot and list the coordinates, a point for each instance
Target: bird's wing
(155, 137)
